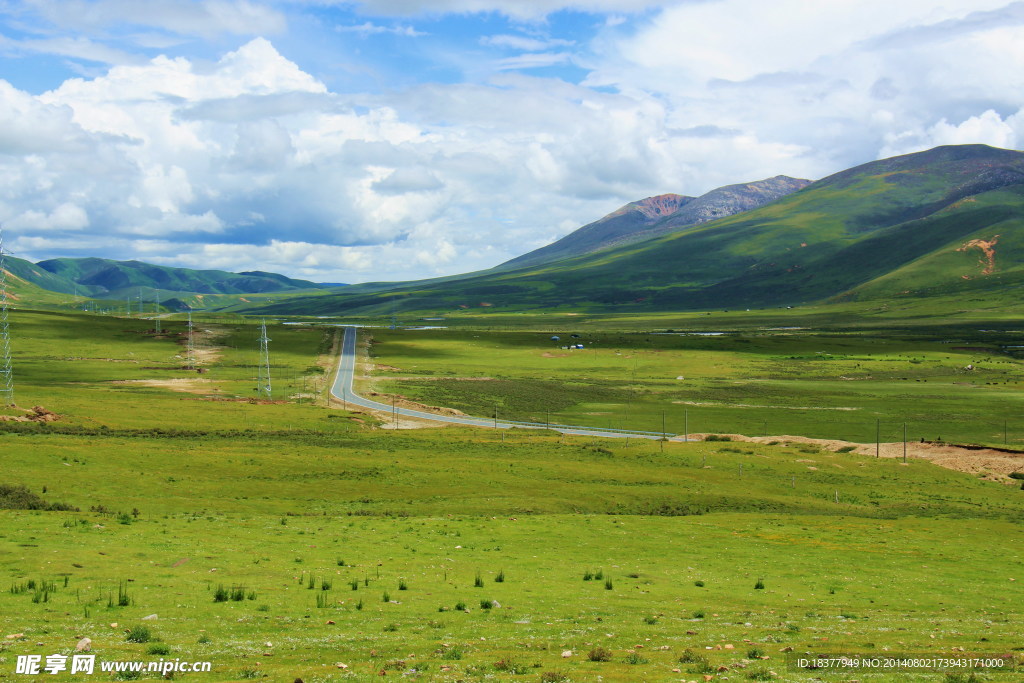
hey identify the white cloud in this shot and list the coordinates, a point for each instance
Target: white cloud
(186, 17)
(525, 43)
(251, 162)
(517, 9)
(369, 28)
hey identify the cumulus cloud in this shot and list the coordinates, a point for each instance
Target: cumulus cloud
(248, 161)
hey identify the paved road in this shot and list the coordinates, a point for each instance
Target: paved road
(342, 390)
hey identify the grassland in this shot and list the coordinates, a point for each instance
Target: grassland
(823, 384)
(316, 518)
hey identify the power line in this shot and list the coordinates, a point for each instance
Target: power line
(6, 372)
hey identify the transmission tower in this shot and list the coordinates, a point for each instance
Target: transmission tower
(190, 346)
(156, 303)
(6, 375)
(263, 386)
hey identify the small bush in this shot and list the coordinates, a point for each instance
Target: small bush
(391, 628)
(386, 597)
(221, 594)
(845, 449)
(478, 582)
(650, 620)
(689, 656)
(760, 675)
(599, 654)
(402, 585)
(698, 584)
(588, 575)
(354, 583)
(699, 614)
(759, 585)
(608, 585)
(452, 653)
(203, 639)
(237, 593)
(500, 578)
(359, 605)
(158, 649)
(486, 604)
(599, 574)
(635, 658)
(755, 653)
(554, 677)
(138, 634)
(460, 606)
(249, 673)
(511, 667)
(717, 437)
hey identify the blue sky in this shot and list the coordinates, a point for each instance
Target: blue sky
(398, 139)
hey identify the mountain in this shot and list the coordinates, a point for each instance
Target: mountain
(654, 216)
(945, 222)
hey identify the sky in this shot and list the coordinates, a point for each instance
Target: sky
(403, 139)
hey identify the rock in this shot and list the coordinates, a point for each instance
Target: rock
(330, 622)
(495, 604)
(729, 646)
(15, 636)
(708, 677)
(691, 633)
(722, 668)
(567, 654)
(84, 645)
(341, 666)
(788, 648)
(114, 625)
(150, 617)
(268, 644)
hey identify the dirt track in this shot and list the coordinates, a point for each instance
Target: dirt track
(996, 464)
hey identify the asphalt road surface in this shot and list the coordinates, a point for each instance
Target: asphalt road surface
(342, 390)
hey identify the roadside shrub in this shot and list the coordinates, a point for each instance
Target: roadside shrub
(138, 634)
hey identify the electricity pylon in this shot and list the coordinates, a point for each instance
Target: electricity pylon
(263, 386)
(6, 373)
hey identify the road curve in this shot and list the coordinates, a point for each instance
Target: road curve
(343, 391)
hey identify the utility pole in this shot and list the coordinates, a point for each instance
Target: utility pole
(878, 436)
(156, 302)
(686, 425)
(263, 384)
(904, 443)
(6, 373)
(190, 346)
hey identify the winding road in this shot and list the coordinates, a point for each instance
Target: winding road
(343, 391)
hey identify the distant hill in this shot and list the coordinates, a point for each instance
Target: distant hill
(945, 222)
(655, 216)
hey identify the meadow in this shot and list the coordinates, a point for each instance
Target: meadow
(291, 539)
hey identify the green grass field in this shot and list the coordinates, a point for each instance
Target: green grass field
(835, 385)
(349, 544)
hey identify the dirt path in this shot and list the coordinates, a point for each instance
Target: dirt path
(995, 464)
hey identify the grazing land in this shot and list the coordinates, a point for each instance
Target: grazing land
(291, 539)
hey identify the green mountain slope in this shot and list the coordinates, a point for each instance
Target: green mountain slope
(661, 215)
(110, 277)
(887, 228)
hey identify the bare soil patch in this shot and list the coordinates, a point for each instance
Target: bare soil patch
(191, 385)
(33, 414)
(994, 463)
